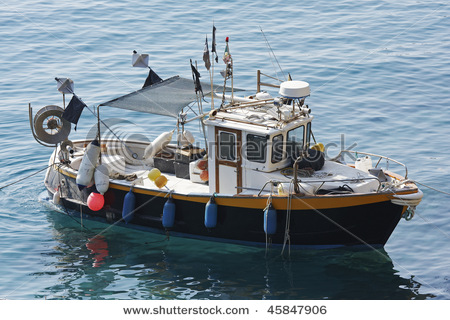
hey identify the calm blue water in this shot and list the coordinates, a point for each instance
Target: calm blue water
(379, 73)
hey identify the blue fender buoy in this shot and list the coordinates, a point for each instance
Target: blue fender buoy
(211, 213)
(168, 218)
(129, 203)
(270, 220)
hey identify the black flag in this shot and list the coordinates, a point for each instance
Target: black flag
(213, 45)
(206, 55)
(196, 77)
(151, 78)
(74, 110)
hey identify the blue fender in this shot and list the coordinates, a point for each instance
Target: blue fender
(211, 214)
(168, 218)
(129, 204)
(270, 220)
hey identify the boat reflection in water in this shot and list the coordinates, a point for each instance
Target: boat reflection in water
(129, 264)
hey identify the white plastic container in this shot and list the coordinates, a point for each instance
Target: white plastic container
(364, 164)
(194, 173)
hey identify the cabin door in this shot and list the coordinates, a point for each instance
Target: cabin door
(228, 161)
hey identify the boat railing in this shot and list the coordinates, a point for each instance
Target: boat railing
(297, 185)
(265, 84)
(343, 152)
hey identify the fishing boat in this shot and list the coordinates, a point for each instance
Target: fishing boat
(260, 178)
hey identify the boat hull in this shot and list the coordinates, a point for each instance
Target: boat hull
(321, 221)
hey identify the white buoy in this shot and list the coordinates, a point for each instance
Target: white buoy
(75, 163)
(101, 178)
(148, 151)
(86, 171)
(186, 138)
(189, 136)
(56, 197)
(158, 144)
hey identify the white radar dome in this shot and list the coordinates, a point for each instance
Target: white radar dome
(294, 89)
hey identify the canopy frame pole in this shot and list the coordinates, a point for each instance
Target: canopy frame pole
(178, 131)
(99, 134)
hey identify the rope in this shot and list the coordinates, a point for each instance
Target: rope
(287, 237)
(427, 221)
(437, 190)
(102, 232)
(158, 241)
(66, 211)
(33, 174)
(268, 203)
(273, 53)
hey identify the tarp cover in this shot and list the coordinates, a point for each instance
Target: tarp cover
(166, 98)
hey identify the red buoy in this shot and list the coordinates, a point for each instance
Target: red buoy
(204, 176)
(95, 201)
(202, 164)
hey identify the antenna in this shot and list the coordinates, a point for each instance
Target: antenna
(273, 53)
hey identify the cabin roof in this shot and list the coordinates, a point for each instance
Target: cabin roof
(257, 121)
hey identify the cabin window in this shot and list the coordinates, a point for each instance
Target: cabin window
(227, 142)
(294, 144)
(256, 148)
(277, 148)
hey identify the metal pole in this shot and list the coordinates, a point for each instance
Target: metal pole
(99, 134)
(258, 81)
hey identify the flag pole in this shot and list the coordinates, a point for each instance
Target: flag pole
(216, 57)
(199, 101)
(211, 75)
(201, 112)
(231, 71)
(195, 77)
(228, 71)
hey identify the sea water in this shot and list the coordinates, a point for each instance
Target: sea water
(379, 73)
